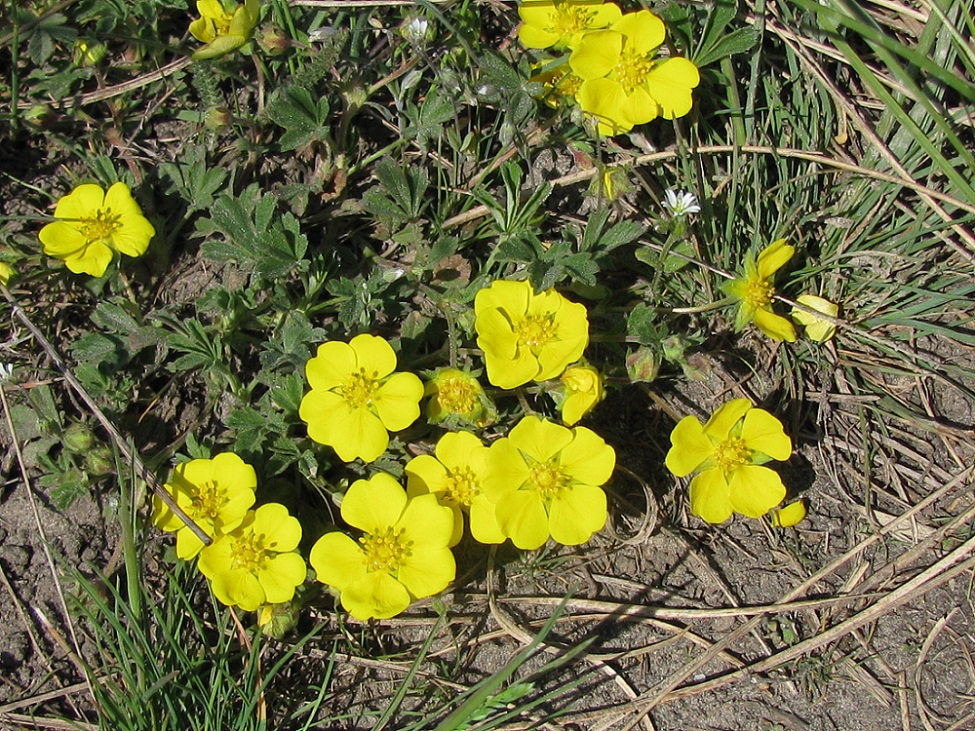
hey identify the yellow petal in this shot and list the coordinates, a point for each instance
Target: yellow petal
(522, 517)
(773, 257)
(577, 513)
(338, 560)
(484, 522)
(605, 99)
(670, 84)
(505, 470)
(374, 505)
(755, 490)
(62, 239)
(597, 54)
(640, 107)
(764, 433)
(644, 31)
(425, 523)
(280, 577)
(280, 531)
(427, 571)
(93, 259)
(425, 474)
(219, 46)
(790, 515)
(540, 439)
(332, 366)
(710, 497)
(588, 459)
(690, 447)
(376, 595)
(775, 326)
(535, 36)
(817, 328)
(725, 419)
(373, 354)
(82, 202)
(398, 401)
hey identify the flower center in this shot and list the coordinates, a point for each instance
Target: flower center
(758, 293)
(207, 500)
(570, 19)
(632, 70)
(101, 227)
(536, 330)
(386, 551)
(457, 395)
(732, 454)
(250, 552)
(360, 389)
(547, 478)
(461, 486)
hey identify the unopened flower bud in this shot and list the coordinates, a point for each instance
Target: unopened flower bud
(273, 41)
(218, 119)
(99, 461)
(643, 365)
(78, 438)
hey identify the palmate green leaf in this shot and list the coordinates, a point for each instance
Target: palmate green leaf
(304, 118)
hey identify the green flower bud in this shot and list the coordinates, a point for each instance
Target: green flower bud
(78, 438)
(643, 365)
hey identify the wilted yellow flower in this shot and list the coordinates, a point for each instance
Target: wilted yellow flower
(755, 290)
(546, 481)
(403, 554)
(817, 328)
(561, 24)
(583, 390)
(256, 563)
(214, 493)
(527, 336)
(455, 476)
(727, 453)
(92, 225)
(624, 81)
(356, 399)
(221, 29)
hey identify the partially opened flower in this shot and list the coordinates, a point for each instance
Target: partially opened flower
(625, 83)
(817, 328)
(561, 24)
(728, 453)
(755, 291)
(455, 475)
(583, 389)
(546, 481)
(222, 29)
(457, 397)
(92, 225)
(214, 493)
(403, 554)
(256, 563)
(527, 336)
(356, 399)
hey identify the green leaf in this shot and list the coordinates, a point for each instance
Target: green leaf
(738, 41)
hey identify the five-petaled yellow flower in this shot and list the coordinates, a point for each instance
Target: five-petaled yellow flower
(214, 493)
(624, 82)
(755, 291)
(221, 29)
(403, 554)
(92, 225)
(546, 481)
(561, 24)
(527, 336)
(455, 476)
(256, 563)
(728, 453)
(817, 328)
(583, 390)
(356, 399)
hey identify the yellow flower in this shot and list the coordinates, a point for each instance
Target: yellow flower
(546, 480)
(402, 556)
(755, 291)
(817, 328)
(456, 396)
(560, 85)
(356, 397)
(256, 563)
(561, 24)
(583, 390)
(223, 31)
(624, 82)
(527, 336)
(455, 475)
(93, 225)
(214, 493)
(727, 453)
(789, 515)
(6, 272)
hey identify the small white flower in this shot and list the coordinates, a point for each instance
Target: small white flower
(6, 372)
(416, 31)
(680, 202)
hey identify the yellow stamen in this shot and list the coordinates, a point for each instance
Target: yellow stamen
(731, 454)
(386, 551)
(360, 389)
(536, 330)
(101, 226)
